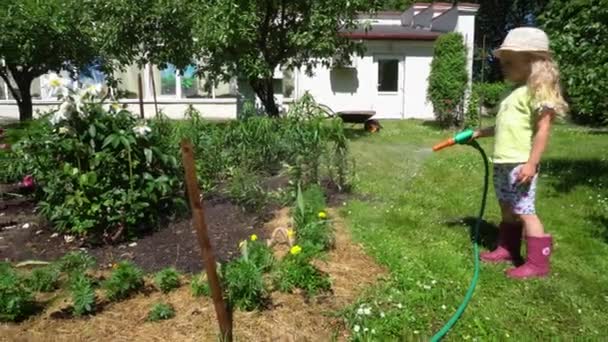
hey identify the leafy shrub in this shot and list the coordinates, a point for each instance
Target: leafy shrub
(244, 189)
(161, 311)
(16, 300)
(83, 295)
(125, 279)
(472, 118)
(260, 255)
(579, 39)
(490, 94)
(200, 286)
(44, 279)
(296, 271)
(167, 280)
(75, 262)
(448, 78)
(244, 285)
(312, 230)
(101, 171)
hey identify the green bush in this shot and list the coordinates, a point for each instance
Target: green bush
(244, 285)
(490, 94)
(472, 117)
(244, 189)
(125, 279)
(161, 311)
(16, 300)
(167, 280)
(448, 78)
(101, 172)
(75, 262)
(44, 279)
(260, 255)
(312, 230)
(296, 271)
(200, 286)
(579, 39)
(83, 295)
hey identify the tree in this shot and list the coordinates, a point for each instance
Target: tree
(250, 38)
(448, 78)
(40, 36)
(579, 39)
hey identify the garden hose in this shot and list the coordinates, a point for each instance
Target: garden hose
(460, 139)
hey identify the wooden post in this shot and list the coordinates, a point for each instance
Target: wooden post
(154, 91)
(141, 96)
(198, 217)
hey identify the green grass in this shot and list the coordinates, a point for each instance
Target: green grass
(409, 217)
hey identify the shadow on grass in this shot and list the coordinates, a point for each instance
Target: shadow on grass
(353, 133)
(488, 232)
(570, 173)
(602, 222)
(434, 125)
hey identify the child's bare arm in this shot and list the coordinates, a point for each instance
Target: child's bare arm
(484, 132)
(539, 144)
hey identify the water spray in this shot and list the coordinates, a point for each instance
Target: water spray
(466, 137)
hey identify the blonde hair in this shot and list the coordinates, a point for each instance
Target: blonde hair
(544, 84)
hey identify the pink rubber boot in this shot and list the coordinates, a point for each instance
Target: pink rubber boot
(509, 244)
(537, 263)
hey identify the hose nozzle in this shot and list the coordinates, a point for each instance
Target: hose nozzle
(460, 138)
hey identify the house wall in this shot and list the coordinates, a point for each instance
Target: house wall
(356, 88)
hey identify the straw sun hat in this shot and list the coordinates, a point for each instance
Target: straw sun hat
(525, 39)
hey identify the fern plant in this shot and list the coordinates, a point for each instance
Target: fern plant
(124, 281)
(83, 295)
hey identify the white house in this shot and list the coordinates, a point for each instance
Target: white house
(390, 79)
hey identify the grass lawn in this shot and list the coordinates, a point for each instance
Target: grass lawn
(414, 215)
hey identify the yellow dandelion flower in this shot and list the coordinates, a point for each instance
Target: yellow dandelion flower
(295, 250)
(290, 233)
(254, 237)
(322, 215)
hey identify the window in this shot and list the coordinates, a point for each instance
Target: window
(388, 75)
(91, 75)
(168, 80)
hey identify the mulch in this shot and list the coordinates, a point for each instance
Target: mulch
(25, 236)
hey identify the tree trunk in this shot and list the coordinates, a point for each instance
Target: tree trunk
(25, 107)
(22, 94)
(264, 89)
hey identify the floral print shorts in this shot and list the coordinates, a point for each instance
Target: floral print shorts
(521, 197)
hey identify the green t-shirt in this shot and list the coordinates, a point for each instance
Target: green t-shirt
(515, 126)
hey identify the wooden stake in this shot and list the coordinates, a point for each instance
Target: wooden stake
(154, 91)
(198, 217)
(141, 96)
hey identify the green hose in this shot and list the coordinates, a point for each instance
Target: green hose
(467, 298)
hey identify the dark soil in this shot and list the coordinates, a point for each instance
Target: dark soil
(24, 237)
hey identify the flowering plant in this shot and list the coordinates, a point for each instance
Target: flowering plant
(101, 171)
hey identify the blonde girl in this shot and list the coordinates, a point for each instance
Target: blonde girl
(521, 134)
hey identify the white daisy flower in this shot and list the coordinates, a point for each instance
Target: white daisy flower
(142, 129)
(63, 130)
(62, 113)
(94, 89)
(356, 328)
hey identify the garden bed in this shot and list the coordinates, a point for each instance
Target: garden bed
(289, 317)
(173, 245)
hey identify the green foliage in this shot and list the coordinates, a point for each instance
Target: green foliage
(448, 78)
(16, 300)
(125, 279)
(42, 36)
(472, 118)
(200, 286)
(579, 39)
(301, 34)
(311, 229)
(491, 93)
(258, 253)
(296, 271)
(83, 295)
(44, 279)
(244, 284)
(75, 262)
(101, 173)
(160, 312)
(244, 189)
(167, 280)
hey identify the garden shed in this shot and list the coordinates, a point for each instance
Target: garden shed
(390, 79)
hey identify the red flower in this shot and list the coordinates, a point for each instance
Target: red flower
(28, 182)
